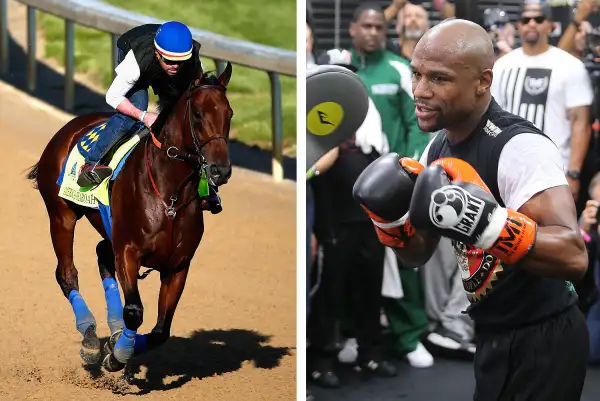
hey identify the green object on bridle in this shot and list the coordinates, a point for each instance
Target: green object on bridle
(203, 184)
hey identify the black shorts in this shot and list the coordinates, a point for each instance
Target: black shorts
(545, 361)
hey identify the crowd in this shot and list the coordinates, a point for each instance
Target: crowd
(365, 308)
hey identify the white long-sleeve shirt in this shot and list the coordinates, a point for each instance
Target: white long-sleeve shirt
(128, 73)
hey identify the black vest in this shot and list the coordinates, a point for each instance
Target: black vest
(141, 40)
(501, 295)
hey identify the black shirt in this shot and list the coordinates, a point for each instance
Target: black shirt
(334, 203)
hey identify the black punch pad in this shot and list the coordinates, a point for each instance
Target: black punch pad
(336, 106)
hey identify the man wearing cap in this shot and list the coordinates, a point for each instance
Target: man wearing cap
(164, 57)
(549, 87)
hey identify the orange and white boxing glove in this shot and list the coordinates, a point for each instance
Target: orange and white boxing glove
(384, 190)
(451, 199)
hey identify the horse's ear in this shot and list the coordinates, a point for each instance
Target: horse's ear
(225, 75)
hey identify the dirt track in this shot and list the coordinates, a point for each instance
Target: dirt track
(234, 331)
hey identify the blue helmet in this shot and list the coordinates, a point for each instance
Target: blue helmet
(173, 41)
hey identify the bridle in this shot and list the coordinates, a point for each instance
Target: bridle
(197, 160)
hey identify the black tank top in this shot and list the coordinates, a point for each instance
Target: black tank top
(501, 295)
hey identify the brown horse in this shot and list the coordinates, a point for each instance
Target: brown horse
(157, 218)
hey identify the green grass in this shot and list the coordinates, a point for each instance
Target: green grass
(268, 22)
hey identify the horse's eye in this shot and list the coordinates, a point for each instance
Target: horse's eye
(198, 115)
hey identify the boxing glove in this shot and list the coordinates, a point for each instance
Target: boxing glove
(384, 190)
(451, 199)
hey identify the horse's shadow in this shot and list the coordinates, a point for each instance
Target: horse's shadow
(203, 354)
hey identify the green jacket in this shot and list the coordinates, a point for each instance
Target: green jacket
(388, 79)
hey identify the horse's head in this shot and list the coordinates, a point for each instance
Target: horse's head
(210, 116)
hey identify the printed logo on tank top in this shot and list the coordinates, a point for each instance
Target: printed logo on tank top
(478, 270)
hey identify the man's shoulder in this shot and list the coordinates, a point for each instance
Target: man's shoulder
(566, 63)
(196, 47)
(391, 56)
(565, 56)
(396, 61)
(140, 31)
(144, 29)
(398, 64)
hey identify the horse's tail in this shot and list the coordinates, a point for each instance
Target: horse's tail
(32, 174)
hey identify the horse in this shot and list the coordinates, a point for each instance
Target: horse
(157, 214)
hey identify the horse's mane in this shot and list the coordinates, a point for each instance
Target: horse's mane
(167, 105)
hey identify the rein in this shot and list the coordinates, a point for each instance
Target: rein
(197, 161)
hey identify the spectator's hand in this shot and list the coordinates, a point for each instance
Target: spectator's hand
(588, 217)
(584, 9)
(503, 47)
(574, 185)
(324, 163)
(506, 38)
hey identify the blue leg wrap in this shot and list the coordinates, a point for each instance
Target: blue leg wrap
(113, 305)
(141, 344)
(83, 316)
(123, 350)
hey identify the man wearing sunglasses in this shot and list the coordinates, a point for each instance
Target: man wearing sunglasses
(164, 57)
(549, 87)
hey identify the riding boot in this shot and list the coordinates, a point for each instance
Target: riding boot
(93, 172)
(212, 202)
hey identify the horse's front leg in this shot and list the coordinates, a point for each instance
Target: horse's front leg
(171, 288)
(127, 266)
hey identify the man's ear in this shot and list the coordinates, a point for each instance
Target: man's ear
(485, 81)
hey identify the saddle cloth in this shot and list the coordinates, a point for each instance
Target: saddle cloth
(96, 197)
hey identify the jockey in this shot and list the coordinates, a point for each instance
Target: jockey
(164, 57)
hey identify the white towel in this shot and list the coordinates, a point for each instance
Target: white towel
(392, 285)
(370, 134)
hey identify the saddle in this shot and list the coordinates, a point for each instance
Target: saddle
(97, 196)
(139, 129)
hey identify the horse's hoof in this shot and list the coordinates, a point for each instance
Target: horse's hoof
(90, 347)
(111, 364)
(109, 346)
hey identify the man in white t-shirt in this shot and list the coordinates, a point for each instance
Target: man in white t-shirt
(549, 87)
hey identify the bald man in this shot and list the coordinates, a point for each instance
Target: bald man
(494, 185)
